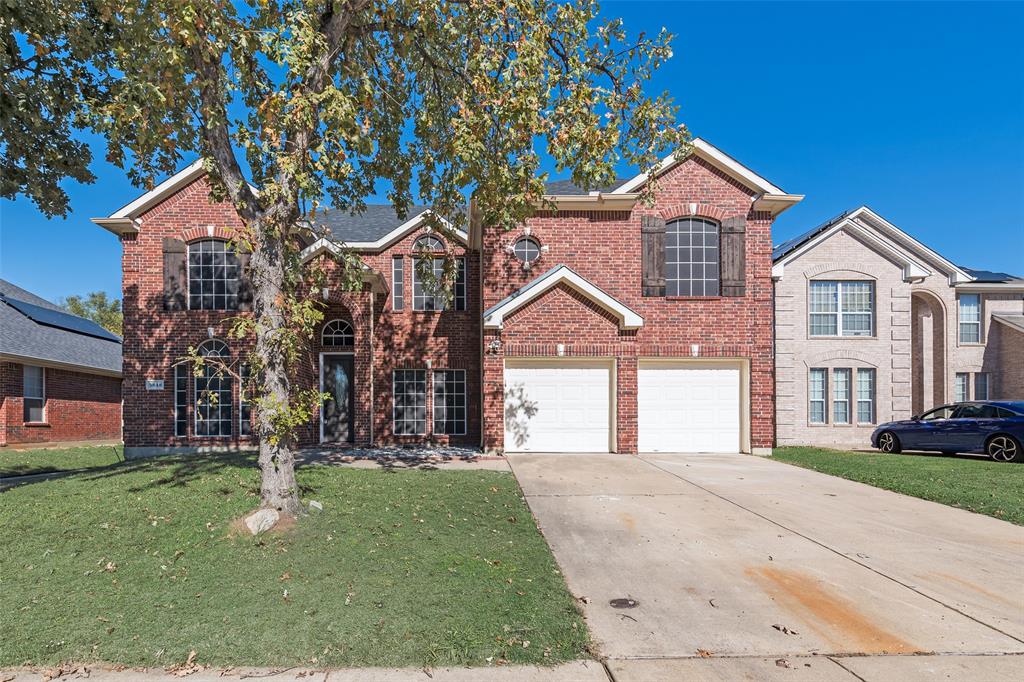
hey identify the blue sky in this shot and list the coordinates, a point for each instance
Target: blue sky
(915, 109)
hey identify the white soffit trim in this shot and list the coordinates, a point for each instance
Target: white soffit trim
(595, 201)
(771, 198)
(494, 316)
(912, 269)
(335, 247)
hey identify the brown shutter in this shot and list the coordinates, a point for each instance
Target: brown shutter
(652, 237)
(244, 282)
(734, 256)
(175, 274)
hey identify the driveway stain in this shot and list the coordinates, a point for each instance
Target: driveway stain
(834, 618)
(971, 586)
(628, 520)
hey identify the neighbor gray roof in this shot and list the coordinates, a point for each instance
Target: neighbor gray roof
(369, 226)
(1015, 321)
(990, 277)
(22, 337)
(566, 187)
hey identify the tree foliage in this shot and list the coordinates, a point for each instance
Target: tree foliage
(328, 102)
(97, 307)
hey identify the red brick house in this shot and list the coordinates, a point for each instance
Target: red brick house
(607, 325)
(60, 374)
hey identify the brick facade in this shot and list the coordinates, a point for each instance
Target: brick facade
(605, 249)
(79, 407)
(384, 339)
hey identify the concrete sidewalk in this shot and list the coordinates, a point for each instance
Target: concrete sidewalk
(746, 568)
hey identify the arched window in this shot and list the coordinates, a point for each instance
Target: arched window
(213, 276)
(213, 391)
(692, 258)
(428, 243)
(337, 333)
(526, 249)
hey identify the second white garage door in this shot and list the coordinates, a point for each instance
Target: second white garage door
(565, 408)
(688, 407)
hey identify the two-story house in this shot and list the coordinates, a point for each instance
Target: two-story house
(607, 325)
(872, 326)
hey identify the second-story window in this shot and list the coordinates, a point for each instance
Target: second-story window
(842, 308)
(424, 294)
(214, 275)
(692, 258)
(970, 318)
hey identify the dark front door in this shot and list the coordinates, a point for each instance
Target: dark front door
(339, 411)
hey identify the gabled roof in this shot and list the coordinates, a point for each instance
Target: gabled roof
(1012, 321)
(335, 244)
(769, 197)
(561, 274)
(35, 331)
(918, 260)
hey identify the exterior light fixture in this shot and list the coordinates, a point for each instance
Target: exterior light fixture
(695, 350)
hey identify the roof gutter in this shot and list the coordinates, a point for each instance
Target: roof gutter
(55, 364)
(776, 203)
(595, 201)
(119, 226)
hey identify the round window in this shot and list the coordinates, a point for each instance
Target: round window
(526, 249)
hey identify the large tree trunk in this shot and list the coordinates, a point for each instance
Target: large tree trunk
(278, 489)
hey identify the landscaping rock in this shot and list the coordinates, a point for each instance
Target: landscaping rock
(262, 520)
(313, 504)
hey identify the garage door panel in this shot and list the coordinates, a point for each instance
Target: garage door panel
(688, 409)
(557, 409)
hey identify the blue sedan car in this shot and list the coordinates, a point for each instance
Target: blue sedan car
(993, 428)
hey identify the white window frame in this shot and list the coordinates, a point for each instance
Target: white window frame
(458, 287)
(870, 400)
(461, 430)
(824, 395)
(180, 409)
(394, 402)
(188, 274)
(986, 381)
(397, 283)
(704, 276)
(965, 389)
(195, 398)
(41, 397)
(839, 313)
(973, 323)
(844, 397)
(336, 328)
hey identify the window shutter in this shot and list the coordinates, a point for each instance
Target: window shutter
(175, 274)
(244, 282)
(734, 256)
(652, 238)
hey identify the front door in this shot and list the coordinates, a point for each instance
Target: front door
(338, 412)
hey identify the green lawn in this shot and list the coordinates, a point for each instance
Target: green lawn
(42, 460)
(976, 484)
(139, 564)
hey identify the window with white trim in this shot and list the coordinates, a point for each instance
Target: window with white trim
(841, 396)
(526, 249)
(214, 274)
(865, 395)
(817, 390)
(450, 402)
(397, 283)
(337, 333)
(981, 386)
(409, 411)
(33, 396)
(970, 318)
(961, 387)
(841, 308)
(213, 392)
(425, 295)
(181, 400)
(428, 243)
(692, 258)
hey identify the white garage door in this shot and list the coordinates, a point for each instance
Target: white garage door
(557, 409)
(693, 408)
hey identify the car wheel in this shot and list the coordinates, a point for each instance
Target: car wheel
(1004, 448)
(889, 443)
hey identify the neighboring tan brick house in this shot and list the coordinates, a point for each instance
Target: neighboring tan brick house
(872, 326)
(60, 374)
(608, 325)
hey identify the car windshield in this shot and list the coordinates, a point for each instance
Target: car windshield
(938, 413)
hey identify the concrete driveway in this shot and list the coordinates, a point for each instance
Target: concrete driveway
(746, 568)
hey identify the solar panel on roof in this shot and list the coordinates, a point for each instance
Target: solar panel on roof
(55, 318)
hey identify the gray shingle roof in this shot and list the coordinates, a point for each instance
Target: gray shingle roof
(369, 226)
(988, 276)
(23, 337)
(566, 187)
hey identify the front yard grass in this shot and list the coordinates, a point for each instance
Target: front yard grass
(140, 564)
(974, 484)
(43, 460)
